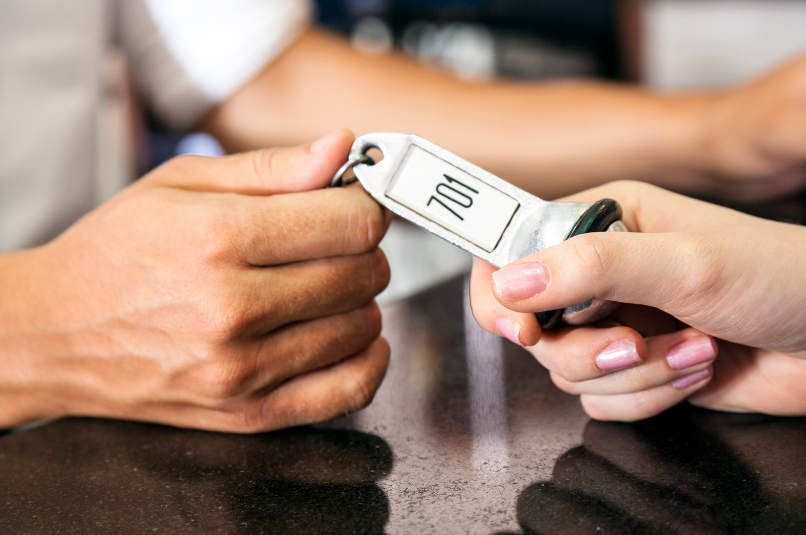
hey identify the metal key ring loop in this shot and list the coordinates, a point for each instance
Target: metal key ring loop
(338, 179)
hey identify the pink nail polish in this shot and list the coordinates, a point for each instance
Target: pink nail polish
(521, 281)
(691, 353)
(617, 356)
(509, 330)
(691, 379)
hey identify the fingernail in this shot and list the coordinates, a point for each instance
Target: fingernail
(320, 144)
(617, 356)
(509, 330)
(690, 353)
(521, 281)
(691, 379)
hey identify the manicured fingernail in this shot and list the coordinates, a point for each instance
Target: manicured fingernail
(509, 330)
(617, 356)
(690, 379)
(521, 281)
(691, 352)
(320, 144)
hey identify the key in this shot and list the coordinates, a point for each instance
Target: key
(475, 210)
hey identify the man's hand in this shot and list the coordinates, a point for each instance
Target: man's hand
(753, 137)
(214, 293)
(697, 279)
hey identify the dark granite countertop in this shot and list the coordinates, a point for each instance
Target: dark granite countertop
(467, 435)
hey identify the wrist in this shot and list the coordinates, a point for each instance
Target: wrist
(683, 158)
(23, 367)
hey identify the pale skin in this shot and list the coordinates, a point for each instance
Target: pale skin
(697, 281)
(213, 293)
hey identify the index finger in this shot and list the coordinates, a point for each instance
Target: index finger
(648, 208)
(294, 227)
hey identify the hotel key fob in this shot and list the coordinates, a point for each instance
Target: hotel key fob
(474, 209)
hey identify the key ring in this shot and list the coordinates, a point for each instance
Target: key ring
(338, 180)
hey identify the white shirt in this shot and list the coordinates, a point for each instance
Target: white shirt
(186, 56)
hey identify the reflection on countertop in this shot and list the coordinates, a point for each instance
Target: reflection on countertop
(686, 471)
(467, 435)
(94, 476)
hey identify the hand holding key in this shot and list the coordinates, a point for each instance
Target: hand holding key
(696, 280)
(217, 293)
(474, 209)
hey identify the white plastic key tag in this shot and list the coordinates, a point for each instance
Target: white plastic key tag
(474, 209)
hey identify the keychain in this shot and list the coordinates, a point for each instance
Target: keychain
(475, 210)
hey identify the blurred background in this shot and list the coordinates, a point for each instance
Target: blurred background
(668, 45)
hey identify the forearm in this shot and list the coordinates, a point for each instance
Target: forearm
(552, 138)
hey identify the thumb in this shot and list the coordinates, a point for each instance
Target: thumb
(261, 172)
(669, 271)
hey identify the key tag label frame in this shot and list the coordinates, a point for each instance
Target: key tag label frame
(474, 209)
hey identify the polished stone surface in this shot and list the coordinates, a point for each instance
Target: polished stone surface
(467, 435)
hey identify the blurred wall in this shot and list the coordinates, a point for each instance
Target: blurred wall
(691, 44)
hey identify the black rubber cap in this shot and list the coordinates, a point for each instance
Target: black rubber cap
(597, 218)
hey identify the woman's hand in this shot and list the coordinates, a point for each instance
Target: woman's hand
(216, 293)
(696, 280)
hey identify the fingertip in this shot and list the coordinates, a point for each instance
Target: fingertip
(482, 303)
(338, 142)
(509, 329)
(646, 403)
(693, 381)
(523, 280)
(327, 154)
(521, 329)
(592, 408)
(617, 356)
(311, 166)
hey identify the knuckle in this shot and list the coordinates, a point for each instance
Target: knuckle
(568, 369)
(592, 253)
(366, 325)
(349, 334)
(368, 274)
(374, 226)
(250, 419)
(366, 223)
(361, 326)
(638, 380)
(268, 413)
(207, 229)
(372, 320)
(264, 163)
(377, 270)
(367, 379)
(703, 270)
(217, 242)
(359, 393)
(223, 379)
(229, 317)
